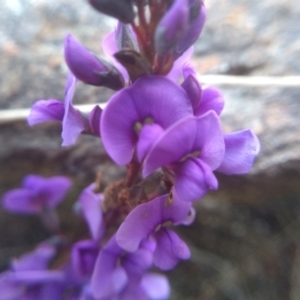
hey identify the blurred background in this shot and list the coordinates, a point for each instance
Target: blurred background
(245, 240)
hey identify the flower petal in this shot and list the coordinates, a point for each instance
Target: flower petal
(151, 97)
(73, 122)
(240, 150)
(108, 279)
(170, 249)
(193, 179)
(91, 207)
(147, 137)
(46, 110)
(143, 220)
(186, 137)
(156, 286)
(212, 99)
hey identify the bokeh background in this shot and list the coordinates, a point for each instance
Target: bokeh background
(245, 240)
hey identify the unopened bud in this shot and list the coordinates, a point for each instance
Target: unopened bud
(193, 90)
(90, 69)
(119, 9)
(125, 37)
(197, 19)
(172, 27)
(135, 64)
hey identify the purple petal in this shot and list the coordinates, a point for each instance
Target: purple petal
(148, 216)
(193, 90)
(22, 201)
(91, 207)
(94, 119)
(37, 277)
(83, 64)
(193, 179)
(187, 137)
(190, 218)
(240, 150)
(109, 46)
(9, 289)
(194, 30)
(138, 262)
(84, 254)
(108, 279)
(180, 65)
(73, 122)
(172, 27)
(36, 260)
(151, 97)
(156, 286)
(148, 135)
(212, 99)
(170, 249)
(46, 110)
(54, 189)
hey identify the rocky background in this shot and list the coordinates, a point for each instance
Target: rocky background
(245, 241)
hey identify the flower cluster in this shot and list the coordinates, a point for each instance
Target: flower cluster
(164, 126)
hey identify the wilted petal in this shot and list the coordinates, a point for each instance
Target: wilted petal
(151, 97)
(212, 99)
(91, 208)
(46, 110)
(172, 27)
(170, 249)
(193, 179)
(156, 286)
(148, 135)
(240, 150)
(148, 216)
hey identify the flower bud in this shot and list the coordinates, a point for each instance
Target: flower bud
(172, 27)
(90, 69)
(197, 18)
(125, 37)
(119, 9)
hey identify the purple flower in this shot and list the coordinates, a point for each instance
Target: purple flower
(153, 101)
(37, 194)
(197, 20)
(46, 110)
(83, 255)
(115, 270)
(73, 121)
(90, 69)
(203, 100)
(150, 220)
(29, 277)
(240, 150)
(91, 207)
(192, 148)
(172, 27)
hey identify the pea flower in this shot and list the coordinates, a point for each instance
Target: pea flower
(150, 220)
(153, 101)
(36, 194)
